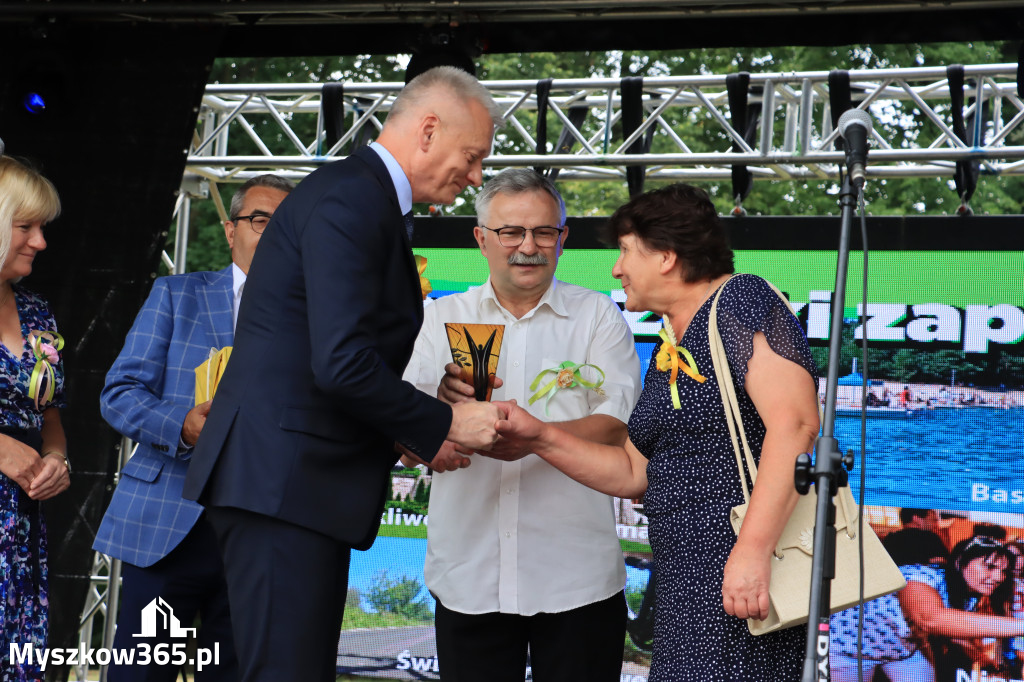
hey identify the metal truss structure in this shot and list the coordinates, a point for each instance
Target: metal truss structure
(778, 125)
(103, 595)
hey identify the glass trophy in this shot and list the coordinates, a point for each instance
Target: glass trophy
(475, 349)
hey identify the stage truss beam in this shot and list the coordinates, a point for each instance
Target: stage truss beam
(245, 130)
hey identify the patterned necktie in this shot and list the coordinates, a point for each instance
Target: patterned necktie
(408, 225)
(237, 304)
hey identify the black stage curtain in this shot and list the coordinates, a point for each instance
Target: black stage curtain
(120, 108)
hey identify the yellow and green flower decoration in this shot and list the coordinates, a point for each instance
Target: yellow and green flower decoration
(673, 358)
(567, 375)
(42, 383)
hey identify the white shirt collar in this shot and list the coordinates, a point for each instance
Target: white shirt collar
(401, 183)
(552, 298)
(237, 280)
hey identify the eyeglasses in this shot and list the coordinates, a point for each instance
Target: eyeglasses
(258, 221)
(514, 235)
(986, 542)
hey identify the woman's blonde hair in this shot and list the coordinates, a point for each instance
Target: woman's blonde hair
(24, 195)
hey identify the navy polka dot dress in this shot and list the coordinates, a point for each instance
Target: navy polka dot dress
(692, 485)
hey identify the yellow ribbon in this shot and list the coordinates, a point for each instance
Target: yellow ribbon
(567, 375)
(421, 266)
(45, 346)
(669, 360)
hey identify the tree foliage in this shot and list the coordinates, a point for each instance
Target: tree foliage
(907, 196)
(422, 493)
(886, 196)
(398, 595)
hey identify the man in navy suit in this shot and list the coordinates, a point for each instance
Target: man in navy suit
(166, 543)
(299, 443)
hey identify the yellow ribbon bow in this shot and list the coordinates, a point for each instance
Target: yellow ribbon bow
(421, 266)
(669, 360)
(45, 346)
(567, 375)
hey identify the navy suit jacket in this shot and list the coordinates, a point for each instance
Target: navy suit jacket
(149, 390)
(303, 423)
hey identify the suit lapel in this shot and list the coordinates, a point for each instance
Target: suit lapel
(412, 270)
(216, 305)
(397, 222)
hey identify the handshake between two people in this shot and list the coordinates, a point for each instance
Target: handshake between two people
(499, 429)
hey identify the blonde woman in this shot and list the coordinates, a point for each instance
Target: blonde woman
(33, 461)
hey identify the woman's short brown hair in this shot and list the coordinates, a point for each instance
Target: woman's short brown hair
(679, 218)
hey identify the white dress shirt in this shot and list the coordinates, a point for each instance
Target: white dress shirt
(521, 537)
(237, 282)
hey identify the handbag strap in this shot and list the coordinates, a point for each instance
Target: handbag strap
(727, 391)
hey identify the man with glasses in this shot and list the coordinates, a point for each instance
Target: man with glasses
(168, 547)
(520, 557)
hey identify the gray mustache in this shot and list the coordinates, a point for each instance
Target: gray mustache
(518, 258)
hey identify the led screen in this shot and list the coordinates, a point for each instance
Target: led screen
(945, 412)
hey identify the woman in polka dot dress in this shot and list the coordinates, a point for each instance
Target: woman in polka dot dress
(673, 258)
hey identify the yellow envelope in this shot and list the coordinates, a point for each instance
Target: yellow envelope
(209, 373)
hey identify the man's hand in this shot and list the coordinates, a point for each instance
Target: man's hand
(195, 420)
(453, 389)
(449, 458)
(473, 424)
(19, 462)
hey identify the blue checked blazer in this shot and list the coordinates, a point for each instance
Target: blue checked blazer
(148, 391)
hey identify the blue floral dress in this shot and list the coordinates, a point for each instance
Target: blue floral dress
(23, 573)
(693, 483)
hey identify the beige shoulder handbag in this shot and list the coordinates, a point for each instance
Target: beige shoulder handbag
(789, 590)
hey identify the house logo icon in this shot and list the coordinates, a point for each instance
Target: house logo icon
(158, 616)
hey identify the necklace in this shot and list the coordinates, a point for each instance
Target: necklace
(6, 296)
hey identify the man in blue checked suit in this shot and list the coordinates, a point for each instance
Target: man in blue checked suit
(167, 546)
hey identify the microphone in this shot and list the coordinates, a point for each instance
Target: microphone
(855, 126)
(1, 146)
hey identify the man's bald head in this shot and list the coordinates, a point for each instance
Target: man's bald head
(444, 82)
(439, 130)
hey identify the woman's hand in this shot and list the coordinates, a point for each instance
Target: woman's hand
(518, 433)
(786, 399)
(745, 583)
(19, 462)
(509, 449)
(52, 480)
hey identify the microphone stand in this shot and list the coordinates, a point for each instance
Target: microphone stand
(827, 473)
